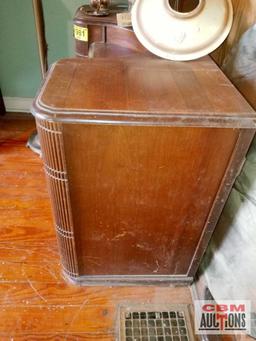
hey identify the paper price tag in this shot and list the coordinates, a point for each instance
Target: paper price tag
(81, 33)
(124, 19)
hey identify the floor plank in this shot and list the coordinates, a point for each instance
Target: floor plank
(36, 272)
(46, 294)
(57, 337)
(30, 252)
(58, 319)
(35, 301)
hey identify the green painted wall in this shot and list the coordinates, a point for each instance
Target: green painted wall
(19, 64)
(19, 61)
(58, 20)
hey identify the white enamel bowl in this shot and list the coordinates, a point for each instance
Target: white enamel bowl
(182, 36)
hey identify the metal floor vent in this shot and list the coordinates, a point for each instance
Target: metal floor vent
(149, 323)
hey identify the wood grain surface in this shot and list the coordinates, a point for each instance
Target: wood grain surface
(139, 207)
(35, 302)
(135, 151)
(145, 86)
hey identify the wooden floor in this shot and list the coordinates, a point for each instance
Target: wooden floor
(36, 303)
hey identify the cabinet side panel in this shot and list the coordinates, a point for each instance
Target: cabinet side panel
(51, 140)
(233, 170)
(141, 196)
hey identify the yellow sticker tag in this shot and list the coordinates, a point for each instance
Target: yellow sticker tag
(81, 33)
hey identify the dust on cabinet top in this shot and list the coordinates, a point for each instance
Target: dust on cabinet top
(143, 91)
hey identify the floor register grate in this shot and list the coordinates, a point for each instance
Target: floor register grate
(170, 323)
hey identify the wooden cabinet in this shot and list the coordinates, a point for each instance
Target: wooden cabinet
(140, 156)
(93, 29)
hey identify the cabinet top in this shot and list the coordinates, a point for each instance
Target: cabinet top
(142, 91)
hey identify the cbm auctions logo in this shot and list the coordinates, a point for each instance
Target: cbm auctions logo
(225, 317)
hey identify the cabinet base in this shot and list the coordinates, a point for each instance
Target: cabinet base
(124, 280)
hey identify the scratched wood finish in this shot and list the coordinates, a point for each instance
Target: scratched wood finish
(35, 301)
(149, 162)
(158, 91)
(139, 208)
(58, 337)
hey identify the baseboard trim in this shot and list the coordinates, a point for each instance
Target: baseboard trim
(132, 280)
(18, 104)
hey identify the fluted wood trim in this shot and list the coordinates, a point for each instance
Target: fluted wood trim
(51, 140)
